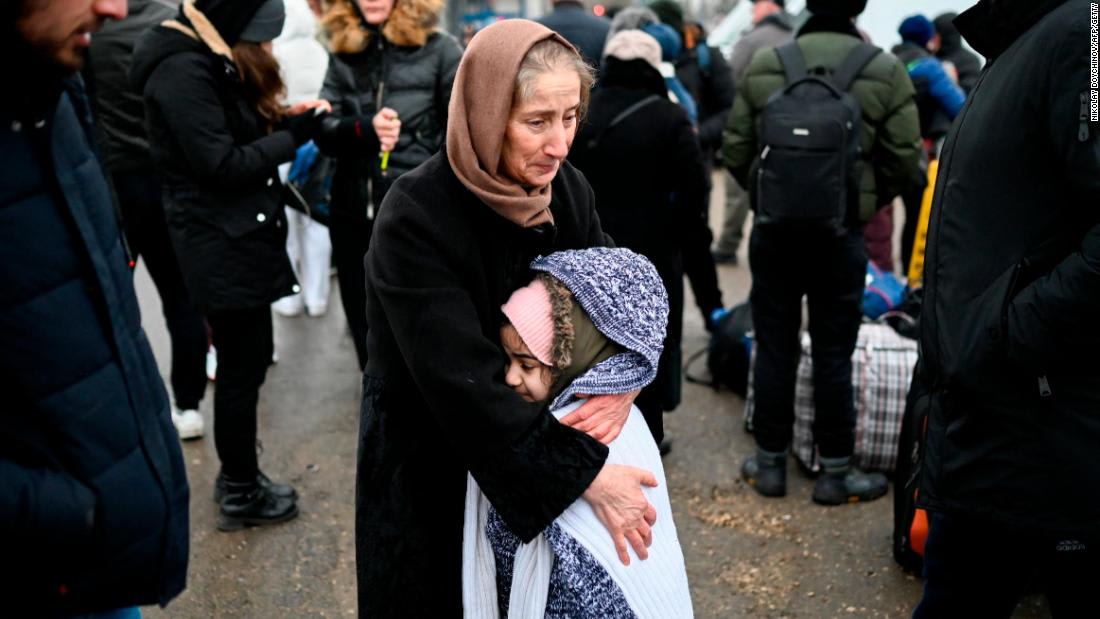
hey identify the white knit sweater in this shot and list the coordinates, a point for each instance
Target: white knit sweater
(656, 588)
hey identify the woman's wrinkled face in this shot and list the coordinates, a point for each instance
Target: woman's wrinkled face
(376, 11)
(541, 129)
(524, 372)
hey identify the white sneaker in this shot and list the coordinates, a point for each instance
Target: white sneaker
(289, 306)
(316, 311)
(188, 423)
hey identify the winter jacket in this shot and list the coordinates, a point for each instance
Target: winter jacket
(951, 50)
(405, 66)
(1009, 335)
(706, 75)
(94, 497)
(657, 148)
(585, 31)
(303, 61)
(119, 109)
(772, 31)
(435, 404)
(939, 98)
(218, 165)
(890, 144)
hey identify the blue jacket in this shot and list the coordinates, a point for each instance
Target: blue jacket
(93, 491)
(939, 99)
(942, 88)
(584, 30)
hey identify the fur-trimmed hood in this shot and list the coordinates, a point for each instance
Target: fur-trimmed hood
(410, 24)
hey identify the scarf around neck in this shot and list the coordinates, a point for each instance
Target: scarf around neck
(481, 103)
(590, 348)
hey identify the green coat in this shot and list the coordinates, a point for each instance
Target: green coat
(891, 142)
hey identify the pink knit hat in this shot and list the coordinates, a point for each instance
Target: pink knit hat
(530, 312)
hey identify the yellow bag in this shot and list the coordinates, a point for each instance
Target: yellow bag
(916, 263)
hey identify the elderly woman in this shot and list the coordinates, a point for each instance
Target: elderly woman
(451, 242)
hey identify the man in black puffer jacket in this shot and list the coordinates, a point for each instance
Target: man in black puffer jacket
(93, 491)
(1009, 331)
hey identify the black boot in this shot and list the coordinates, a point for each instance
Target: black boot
(250, 504)
(766, 472)
(841, 482)
(285, 491)
(665, 447)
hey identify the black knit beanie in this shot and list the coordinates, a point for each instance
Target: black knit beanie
(836, 8)
(229, 17)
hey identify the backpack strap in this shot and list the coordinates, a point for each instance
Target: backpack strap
(794, 63)
(853, 65)
(702, 54)
(620, 117)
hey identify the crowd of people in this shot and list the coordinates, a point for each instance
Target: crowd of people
(511, 223)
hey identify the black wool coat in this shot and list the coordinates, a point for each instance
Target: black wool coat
(219, 168)
(435, 404)
(647, 172)
(1009, 330)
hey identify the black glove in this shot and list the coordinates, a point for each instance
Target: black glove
(348, 128)
(305, 126)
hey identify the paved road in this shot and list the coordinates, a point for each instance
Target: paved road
(746, 556)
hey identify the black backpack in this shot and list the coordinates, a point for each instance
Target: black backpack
(809, 166)
(727, 353)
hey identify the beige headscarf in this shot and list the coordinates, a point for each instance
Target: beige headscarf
(481, 103)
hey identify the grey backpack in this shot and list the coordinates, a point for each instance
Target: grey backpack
(809, 165)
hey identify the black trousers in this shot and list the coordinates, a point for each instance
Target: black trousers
(663, 394)
(976, 568)
(912, 200)
(699, 262)
(147, 234)
(350, 234)
(829, 270)
(244, 342)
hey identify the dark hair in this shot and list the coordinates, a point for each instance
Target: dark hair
(263, 85)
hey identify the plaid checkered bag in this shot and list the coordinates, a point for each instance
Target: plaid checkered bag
(882, 368)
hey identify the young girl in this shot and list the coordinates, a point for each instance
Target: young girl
(592, 322)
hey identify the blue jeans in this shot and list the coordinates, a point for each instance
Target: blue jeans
(978, 569)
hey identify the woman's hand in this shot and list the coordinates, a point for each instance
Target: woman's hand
(602, 416)
(305, 106)
(387, 127)
(616, 497)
